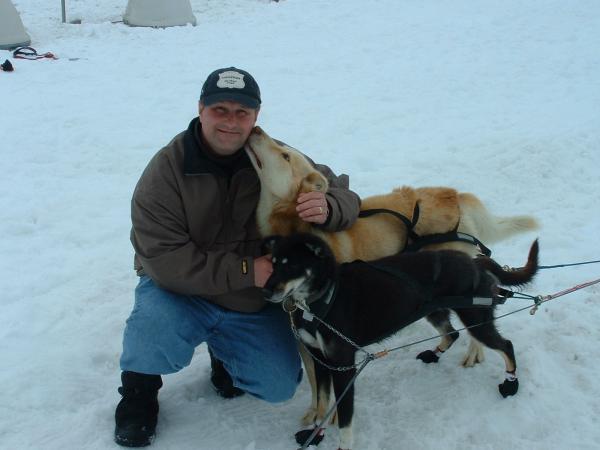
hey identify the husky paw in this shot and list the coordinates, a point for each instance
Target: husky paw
(303, 435)
(428, 356)
(509, 387)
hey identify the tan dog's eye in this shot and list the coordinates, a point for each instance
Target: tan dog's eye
(286, 156)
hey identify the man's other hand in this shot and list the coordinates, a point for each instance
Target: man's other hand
(263, 268)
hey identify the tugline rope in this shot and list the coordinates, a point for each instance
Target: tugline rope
(546, 298)
(538, 300)
(559, 265)
(569, 265)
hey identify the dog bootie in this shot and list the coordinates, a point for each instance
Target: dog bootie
(302, 435)
(510, 385)
(430, 356)
(137, 412)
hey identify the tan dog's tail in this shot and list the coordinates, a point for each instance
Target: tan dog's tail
(475, 219)
(509, 226)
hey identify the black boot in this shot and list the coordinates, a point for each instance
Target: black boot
(221, 380)
(137, 412)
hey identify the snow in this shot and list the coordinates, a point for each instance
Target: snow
(497, 98)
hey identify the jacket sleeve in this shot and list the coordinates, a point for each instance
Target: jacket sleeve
(344, 204)
(163, 245)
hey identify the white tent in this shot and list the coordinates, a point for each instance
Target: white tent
(158, 13)
(12, 31)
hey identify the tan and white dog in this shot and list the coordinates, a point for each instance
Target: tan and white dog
(284, 173)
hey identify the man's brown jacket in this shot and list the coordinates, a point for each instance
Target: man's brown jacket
(194, 230)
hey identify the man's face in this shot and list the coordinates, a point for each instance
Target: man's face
(226, 125)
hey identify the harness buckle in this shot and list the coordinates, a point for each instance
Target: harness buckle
(538, 301)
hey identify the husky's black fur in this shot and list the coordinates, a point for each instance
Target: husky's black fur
(371, 301)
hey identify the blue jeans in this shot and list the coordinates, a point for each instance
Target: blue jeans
(258, 349)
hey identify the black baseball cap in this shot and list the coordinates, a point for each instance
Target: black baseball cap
(231, 84)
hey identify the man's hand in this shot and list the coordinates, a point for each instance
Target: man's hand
(263, 268)
(312, 207)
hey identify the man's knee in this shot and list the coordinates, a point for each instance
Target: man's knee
(280, 388)
(159, 337)
(154, 348)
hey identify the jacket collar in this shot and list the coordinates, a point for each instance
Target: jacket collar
(196, 160)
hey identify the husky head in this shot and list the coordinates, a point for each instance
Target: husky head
(302, 264)
(283, 171)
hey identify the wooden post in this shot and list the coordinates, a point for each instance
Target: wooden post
(64, 11)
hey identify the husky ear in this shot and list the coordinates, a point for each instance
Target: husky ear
(314, 181)
(269, 243)
(316, 249)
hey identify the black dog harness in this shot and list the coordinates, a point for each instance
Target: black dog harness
(325, 298)
(415, 242)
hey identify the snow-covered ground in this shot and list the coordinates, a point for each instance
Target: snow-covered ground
(498, 98)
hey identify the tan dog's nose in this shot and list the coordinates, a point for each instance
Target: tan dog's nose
(257, 130)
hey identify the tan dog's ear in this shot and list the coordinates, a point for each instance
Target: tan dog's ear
(314, 181)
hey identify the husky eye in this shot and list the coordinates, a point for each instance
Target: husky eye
(286, 156)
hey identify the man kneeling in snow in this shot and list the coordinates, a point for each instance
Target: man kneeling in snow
(197, 252)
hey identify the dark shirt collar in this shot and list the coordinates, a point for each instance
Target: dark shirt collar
(199, 159)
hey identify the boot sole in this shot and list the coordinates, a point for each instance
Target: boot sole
(124, 442)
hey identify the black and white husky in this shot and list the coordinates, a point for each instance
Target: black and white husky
(368, 302)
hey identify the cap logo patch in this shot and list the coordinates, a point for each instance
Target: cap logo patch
(231, 79)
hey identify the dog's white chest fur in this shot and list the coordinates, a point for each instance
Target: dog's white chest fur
(313, 341)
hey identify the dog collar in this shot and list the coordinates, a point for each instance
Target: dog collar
(319, 307)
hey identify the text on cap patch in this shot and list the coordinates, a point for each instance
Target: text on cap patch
(231, 79)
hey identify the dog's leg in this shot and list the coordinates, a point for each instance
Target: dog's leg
(474, 354)
(469, 317)
(510, 386)
(309, 365)
(323, 389)
(441, 322)
(488, 334)
(345, 407)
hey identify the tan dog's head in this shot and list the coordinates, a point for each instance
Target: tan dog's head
(283, 170)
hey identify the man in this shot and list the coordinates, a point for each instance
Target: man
(198, 255)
